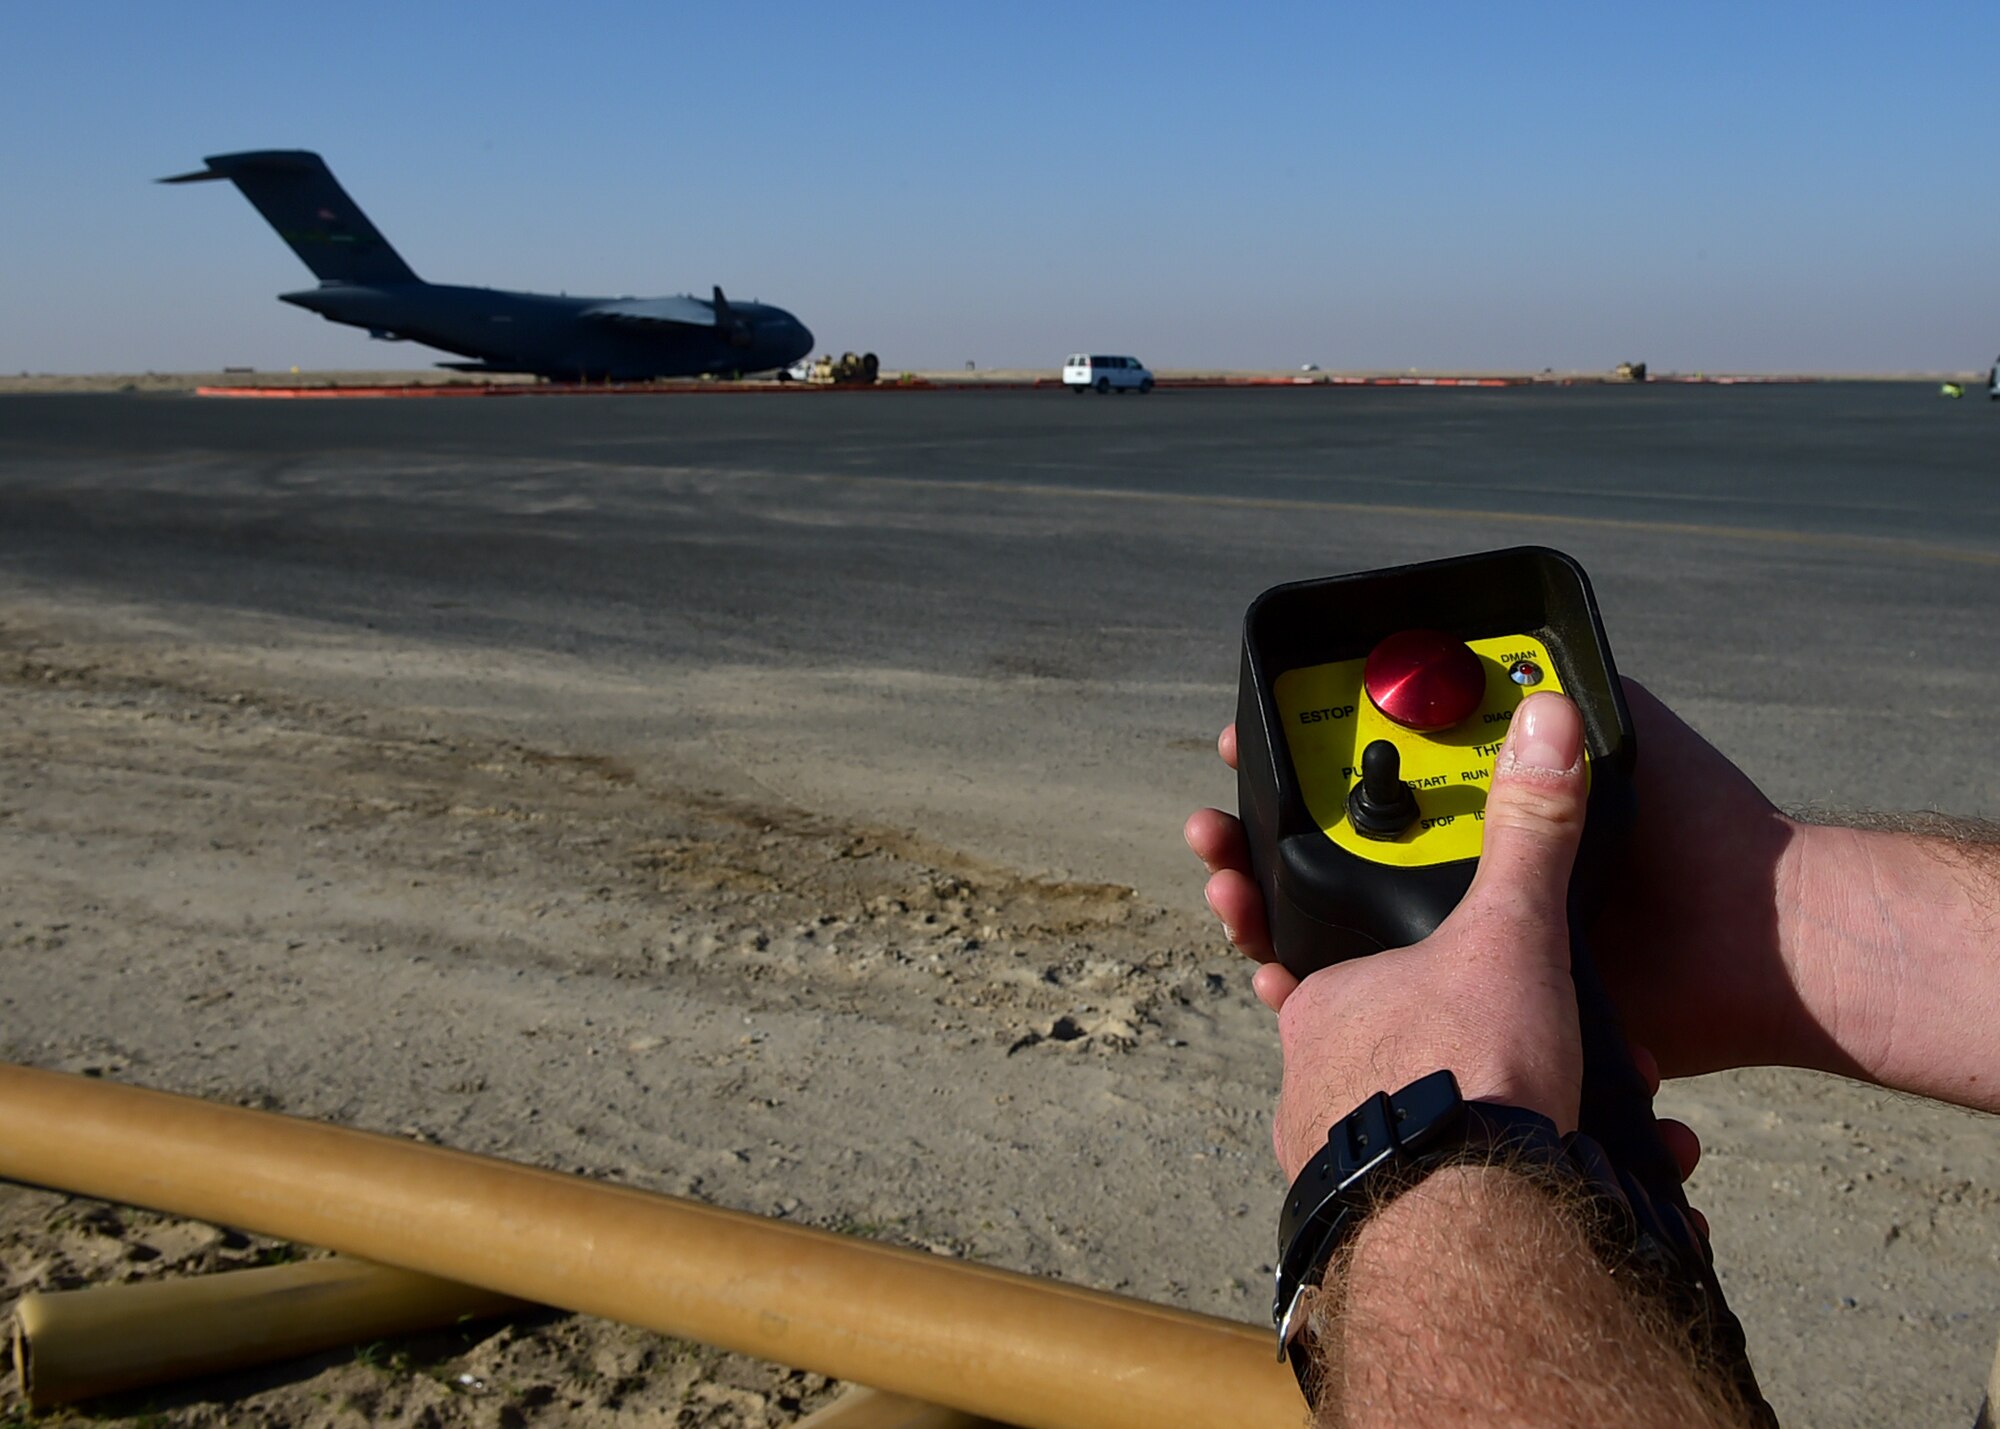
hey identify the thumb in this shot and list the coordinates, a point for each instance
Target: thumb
(1534, 819)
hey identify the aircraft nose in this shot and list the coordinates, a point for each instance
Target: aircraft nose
(800, 339)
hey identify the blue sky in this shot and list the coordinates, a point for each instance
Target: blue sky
(1704, 187)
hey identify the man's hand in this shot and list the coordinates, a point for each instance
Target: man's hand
(1689, 945)
(1487, 995)
(1736, 936)
(1473, 1298)
(1740, 937)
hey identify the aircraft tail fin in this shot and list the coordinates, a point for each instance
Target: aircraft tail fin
(299, 196)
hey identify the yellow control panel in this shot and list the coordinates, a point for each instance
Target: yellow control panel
(1328, 721)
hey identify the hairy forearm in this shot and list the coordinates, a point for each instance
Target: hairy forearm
(1892, 935)
(1475, 1298)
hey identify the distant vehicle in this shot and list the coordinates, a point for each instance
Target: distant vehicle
(1106, 374)
(363, 283)
(847, 370)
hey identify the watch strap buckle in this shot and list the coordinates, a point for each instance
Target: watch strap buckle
(1293, 1322)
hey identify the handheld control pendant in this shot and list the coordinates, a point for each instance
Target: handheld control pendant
(1370, 711)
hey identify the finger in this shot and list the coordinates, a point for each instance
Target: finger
(1273, 984)
(1234, 899)
(1534, 820)
(1681, 1143)
(1217, 840)
(1700, 1223)
(1647, 1066)
(1225, 744)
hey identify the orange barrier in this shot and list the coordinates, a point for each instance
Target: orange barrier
(1039, 384)
(1320, 380)
(320, 392)
(742, 389)
(556, 389)
(1430, 381)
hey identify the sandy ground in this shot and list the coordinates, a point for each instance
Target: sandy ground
(543, 959)
(397, 918)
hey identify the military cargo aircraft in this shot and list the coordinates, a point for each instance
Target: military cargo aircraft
(363, 283)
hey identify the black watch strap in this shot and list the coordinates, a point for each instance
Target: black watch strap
(1392, 1141)
(1384, 1146)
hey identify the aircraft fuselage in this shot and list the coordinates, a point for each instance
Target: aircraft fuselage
(365, 283)
(547, 334)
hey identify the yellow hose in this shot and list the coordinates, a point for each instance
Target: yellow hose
(987, 1342)
(77, 1344)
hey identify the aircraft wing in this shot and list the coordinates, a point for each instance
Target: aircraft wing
(653, 312)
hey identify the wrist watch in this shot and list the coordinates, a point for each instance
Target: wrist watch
(1391, 1142)
(1380, 1149)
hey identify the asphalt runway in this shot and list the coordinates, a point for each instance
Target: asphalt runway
(1009, 620)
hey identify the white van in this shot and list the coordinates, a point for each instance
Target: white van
(1106, 374)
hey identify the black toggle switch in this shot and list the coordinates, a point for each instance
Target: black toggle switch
(1381, 806)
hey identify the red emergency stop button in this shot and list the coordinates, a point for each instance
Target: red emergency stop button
(1424, 679)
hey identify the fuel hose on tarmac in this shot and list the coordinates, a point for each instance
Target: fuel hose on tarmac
(986, 1342)
(71, 1345)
